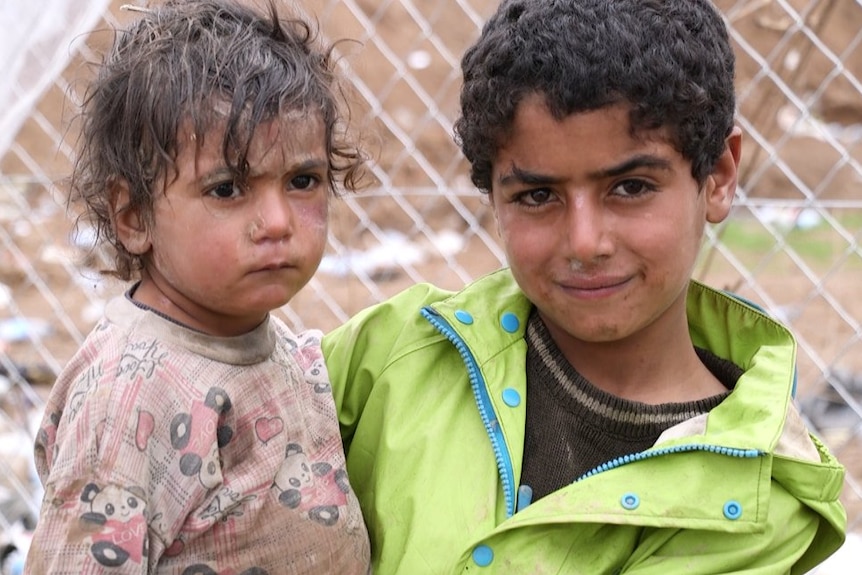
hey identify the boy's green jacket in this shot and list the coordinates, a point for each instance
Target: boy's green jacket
(430, 388)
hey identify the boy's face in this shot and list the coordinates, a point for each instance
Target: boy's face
(602, 229)
(221, 255)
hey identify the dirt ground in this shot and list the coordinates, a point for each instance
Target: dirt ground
(421, 195)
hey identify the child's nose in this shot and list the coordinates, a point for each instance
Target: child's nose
(274, 217)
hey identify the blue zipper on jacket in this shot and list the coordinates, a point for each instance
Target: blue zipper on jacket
(626, 459)
(486, 408)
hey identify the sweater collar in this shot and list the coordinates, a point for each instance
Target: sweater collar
(247, 349)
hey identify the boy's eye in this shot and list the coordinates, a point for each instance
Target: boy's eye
(633, 188)
(535, 197)
(225, 191)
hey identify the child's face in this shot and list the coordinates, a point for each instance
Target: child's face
(602, 229)
(222, 256)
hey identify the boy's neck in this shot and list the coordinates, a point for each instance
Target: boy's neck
(644, 367)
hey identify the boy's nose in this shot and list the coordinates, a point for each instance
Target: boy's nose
(587, 234)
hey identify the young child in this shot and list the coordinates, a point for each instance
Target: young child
(193, 432)
(591, 409)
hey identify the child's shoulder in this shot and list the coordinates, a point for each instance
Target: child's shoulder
(306, 338)
(122, 350)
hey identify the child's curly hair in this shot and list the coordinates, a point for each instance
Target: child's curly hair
(175, 66)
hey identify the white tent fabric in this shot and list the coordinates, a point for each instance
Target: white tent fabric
(38, 39)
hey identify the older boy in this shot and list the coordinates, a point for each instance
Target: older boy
(591, 409)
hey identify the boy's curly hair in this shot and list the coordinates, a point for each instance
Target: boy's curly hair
(669, 60)
(175, 66)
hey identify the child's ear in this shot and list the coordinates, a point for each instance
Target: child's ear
(721, 183)
(129, 226)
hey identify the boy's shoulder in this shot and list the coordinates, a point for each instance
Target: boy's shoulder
(485, 292)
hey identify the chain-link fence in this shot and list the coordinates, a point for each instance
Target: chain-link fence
(792, 243)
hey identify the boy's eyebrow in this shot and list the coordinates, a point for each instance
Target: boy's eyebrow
(522, 176)
(633, 163)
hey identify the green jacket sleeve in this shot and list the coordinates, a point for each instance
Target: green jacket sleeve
(358, 352)
(784, 547)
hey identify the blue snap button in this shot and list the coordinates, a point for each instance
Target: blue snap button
(510, 322)
(511, 397)
(483, 555)
(464, 317)
(630, 501)
(733, 510)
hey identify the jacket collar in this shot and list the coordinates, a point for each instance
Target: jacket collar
(497, 311)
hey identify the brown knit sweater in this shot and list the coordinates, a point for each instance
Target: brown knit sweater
(573, 426)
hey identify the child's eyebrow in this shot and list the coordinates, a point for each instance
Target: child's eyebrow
(311, 165)
(522, 176)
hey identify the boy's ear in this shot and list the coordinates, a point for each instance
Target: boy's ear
(721, 183)
(128, 224)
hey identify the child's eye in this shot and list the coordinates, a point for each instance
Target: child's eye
(225, 191)
(632, 188)
(304, 182)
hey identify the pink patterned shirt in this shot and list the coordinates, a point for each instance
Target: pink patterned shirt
(164, 450)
